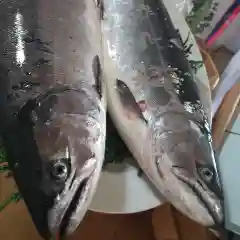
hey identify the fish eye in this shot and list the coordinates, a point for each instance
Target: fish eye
(206, 174)
(60, 170)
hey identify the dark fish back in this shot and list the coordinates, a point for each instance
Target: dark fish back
(22, 57)
(173, 54)
(23, 54)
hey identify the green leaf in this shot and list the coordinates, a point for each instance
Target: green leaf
(196, 65)
(4, 168)
(202, 12)
(3, 157)
(15, 197)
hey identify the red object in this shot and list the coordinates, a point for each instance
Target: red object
(224, 22)
(143, 106)
(58, 236)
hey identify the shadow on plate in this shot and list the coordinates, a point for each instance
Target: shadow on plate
(118, 158)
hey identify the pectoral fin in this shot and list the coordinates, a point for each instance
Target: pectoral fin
(100, 5)
(128, 101)
(97, 73)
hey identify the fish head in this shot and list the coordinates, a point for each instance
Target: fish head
(186, 165)
(67, 132)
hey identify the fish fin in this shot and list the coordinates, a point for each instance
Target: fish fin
(122, 83)
(97, 73)
(100, 5)
(128, 101)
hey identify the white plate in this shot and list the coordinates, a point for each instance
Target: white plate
(120, 189)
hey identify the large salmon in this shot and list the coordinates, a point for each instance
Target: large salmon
(52, 106)
(154, 102)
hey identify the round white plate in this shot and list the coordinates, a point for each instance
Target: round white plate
(120, 189)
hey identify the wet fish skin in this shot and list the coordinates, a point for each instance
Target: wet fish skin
(142, 48)
(52, 107)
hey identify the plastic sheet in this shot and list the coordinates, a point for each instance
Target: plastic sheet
(230, 76)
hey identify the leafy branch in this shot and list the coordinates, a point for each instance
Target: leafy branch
(195, 65)
(15, 197)
(201, 15)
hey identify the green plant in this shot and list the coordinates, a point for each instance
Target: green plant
(201, 15)
(15, 197)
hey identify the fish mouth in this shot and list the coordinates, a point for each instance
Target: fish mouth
(199, 188)
(67, 214)
(71, 206)
(71, 211)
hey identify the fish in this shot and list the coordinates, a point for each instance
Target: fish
(53, 107)
(170, 137)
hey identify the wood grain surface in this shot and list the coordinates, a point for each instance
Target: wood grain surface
(226, 115)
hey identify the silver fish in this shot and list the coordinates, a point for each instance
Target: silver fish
(143, 49)
(53, 107)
